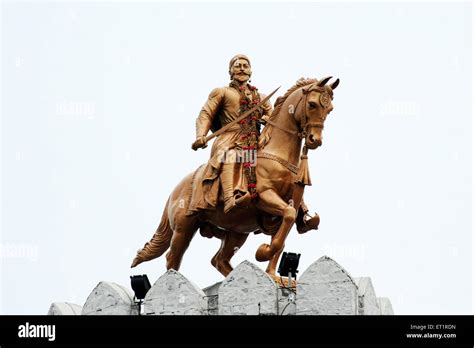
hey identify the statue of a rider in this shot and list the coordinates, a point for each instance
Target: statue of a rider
(233, 154)
(231, 166)
(228, 180)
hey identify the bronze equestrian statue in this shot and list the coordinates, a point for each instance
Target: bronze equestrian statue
(237, 144)
(232, 196)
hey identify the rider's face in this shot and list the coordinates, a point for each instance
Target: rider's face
(241, 70)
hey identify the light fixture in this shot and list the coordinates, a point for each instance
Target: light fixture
(289, 264)
(140, 286)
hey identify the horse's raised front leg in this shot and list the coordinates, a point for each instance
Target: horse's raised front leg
(230, 244)
(271, 202)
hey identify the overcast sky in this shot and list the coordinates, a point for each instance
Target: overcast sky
(99, 108)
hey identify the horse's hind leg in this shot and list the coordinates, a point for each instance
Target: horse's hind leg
(230, 244)
(184, 229)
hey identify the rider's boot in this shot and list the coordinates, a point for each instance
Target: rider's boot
(232, 198)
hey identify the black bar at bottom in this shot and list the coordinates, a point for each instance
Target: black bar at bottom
(448, 331)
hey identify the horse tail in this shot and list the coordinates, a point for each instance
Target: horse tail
(159, 243)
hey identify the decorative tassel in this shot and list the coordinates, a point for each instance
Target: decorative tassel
(303, 175)
(302, 180)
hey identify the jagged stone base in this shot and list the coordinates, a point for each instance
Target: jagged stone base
(325, 288)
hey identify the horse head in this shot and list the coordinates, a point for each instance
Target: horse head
(310, 106)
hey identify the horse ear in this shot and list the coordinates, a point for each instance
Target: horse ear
(334, 84)
(324, 81)
(304, 90)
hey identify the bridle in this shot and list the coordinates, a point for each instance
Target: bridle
(324, 99)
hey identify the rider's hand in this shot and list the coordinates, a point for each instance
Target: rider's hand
(199, 143)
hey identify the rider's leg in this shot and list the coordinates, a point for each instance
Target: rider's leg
(231, 197)
(227, 184)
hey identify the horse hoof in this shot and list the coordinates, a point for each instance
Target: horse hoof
(313, 223)
(310, 224)
(263, 253)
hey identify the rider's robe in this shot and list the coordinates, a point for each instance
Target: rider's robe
(224, 103)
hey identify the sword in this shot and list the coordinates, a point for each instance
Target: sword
(240, 118)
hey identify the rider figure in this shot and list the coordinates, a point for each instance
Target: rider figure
(233, 154)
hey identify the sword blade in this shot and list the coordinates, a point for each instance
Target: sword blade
(241, 117)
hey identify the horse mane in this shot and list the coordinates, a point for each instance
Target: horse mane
(280, 100)
(266, 133)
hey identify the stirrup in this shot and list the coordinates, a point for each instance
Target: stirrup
(243, 201)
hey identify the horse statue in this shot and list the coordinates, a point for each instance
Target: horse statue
(282, 173)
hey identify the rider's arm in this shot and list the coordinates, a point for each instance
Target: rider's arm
(208, 112)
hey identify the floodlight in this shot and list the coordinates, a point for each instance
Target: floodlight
(289, 264)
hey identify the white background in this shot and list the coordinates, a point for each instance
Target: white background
(98, 114)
